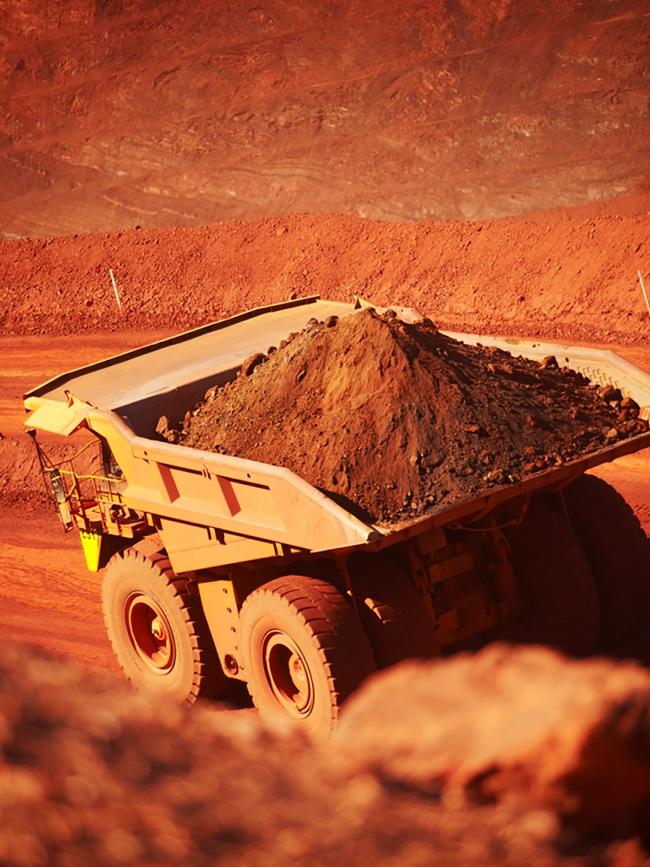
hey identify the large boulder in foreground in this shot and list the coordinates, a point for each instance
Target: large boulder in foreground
(92, 773)
(518, 725)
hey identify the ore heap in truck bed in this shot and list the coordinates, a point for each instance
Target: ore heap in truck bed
(397, 420)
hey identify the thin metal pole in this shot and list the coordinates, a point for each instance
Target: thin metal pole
(647, 303)
(117, 294)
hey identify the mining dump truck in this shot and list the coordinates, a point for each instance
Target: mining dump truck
(218, 568)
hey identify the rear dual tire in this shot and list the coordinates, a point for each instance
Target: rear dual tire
(584, 575)
(618, 552)
(557, 589)
(304, 651)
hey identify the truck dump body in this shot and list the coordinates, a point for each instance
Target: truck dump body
(211, 509)
(163, 377)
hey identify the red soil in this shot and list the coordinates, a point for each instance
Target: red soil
(574, 280)
(519, 725)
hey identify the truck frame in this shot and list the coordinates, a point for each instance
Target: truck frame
(218, 568)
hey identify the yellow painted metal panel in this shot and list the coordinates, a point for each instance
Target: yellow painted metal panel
(55, 417)
(221, 610)
(91, 544)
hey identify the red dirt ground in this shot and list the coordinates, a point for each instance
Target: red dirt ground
(576, 280)
(119, 112)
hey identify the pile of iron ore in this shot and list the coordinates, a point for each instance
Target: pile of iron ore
(397, 420)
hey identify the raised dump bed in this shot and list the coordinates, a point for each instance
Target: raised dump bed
(282, 586)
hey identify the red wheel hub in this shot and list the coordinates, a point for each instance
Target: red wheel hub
(287, 674)
(150, 633)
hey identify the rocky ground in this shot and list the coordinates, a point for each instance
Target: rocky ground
(115, 113)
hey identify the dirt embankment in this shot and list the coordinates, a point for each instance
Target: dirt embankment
(344, 403)
(510, 758)
(574, 280)
(114, 112)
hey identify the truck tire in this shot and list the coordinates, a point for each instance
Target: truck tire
(393, 614)
(157, 628)
(558, 592)
(304, 651)
(618, 551)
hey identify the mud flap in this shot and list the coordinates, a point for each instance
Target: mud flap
(91, 544)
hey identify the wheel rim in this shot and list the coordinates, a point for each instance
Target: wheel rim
(150, 633)
(287, 674)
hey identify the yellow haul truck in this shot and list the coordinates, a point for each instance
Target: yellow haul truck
(219, 568)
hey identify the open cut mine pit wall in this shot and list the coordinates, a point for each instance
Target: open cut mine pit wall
(573, 280)
(124, 112)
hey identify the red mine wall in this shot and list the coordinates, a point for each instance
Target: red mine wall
(116, 112)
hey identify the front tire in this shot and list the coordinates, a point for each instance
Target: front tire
(304, 651)
(156, 626)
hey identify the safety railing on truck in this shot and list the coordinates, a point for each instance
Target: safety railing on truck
(91, 502)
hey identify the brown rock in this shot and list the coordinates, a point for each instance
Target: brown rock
(382, 390)
(521, 725)
(611, 394)
(630, 407)
(210, 393)
(252, 362)
(92, 772)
